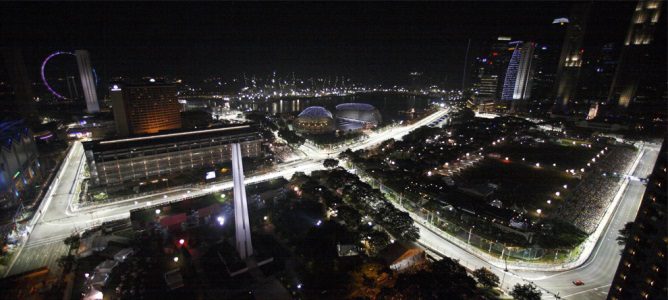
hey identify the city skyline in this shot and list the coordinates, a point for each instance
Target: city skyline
(367, 41)
(330, 150)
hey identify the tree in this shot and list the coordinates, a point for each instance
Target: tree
(446, 280)
(291, 137)
(525, 292)
(486, 277)
(66, 262)
(626, 233)
(330, 163)
(350, 216)
(401, 224)
(72, 240)
(378, 241)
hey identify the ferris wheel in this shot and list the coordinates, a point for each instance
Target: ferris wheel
(43, 72)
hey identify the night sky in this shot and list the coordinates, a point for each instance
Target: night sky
(362, 40)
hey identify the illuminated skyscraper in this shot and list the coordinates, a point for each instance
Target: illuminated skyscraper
(634, 56)
(519, 74)
(485, 88)
(570, 61)
(87, 81)
(490, 68)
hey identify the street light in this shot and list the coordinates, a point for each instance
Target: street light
(157, 211)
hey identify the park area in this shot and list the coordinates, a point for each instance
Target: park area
(547, 154)
(520, 186)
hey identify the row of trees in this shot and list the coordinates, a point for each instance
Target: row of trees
(366, 199)
(291, 137)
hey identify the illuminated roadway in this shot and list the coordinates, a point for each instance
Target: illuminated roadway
(597, 271)
(61, 220)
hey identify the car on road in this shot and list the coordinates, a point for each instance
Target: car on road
(578, 282)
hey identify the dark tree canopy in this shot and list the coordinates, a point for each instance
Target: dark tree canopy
(330, 163)
(446, 280)
(486, 277)
(525, 292)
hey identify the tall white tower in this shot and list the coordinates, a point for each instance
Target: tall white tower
(242, 226)
(87, 80)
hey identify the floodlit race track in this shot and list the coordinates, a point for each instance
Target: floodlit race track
(59, 219)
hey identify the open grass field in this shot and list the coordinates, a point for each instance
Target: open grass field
(565, 156)
(520, 184)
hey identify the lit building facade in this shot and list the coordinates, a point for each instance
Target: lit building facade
(485, 88)
(315, 120)
(519, 74)
(633, 61)
(117, 161)
(19, 164)
(145, 108)
(355, 116)
(490, 69)
(642, 269)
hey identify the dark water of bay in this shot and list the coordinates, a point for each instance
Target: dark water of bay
(392, 106)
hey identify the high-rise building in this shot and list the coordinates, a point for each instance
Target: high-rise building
(598, 73)
(634, 60)
(519, 74)
(642, 269)
(119, 109)
(490, 68)
(486, 88)
(145, 108)
(87, 81)
(17, 96)
(570, 60)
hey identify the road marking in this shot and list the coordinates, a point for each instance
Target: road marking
(586, 291)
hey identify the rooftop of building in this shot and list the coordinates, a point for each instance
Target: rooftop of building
(315, 112)
(355, 106)
(247, 130)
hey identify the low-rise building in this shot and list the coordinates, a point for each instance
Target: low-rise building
(400, 258)
(117, 161)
